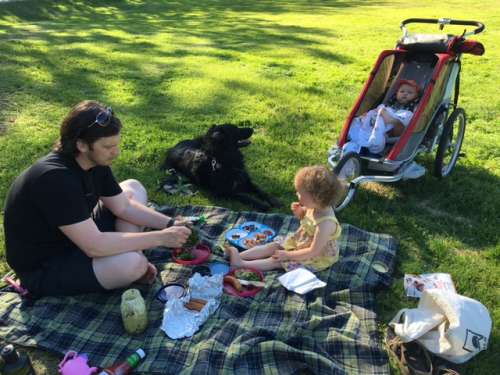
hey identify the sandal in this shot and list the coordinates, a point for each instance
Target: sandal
(443, 370)
(444, 367)
(412, 358)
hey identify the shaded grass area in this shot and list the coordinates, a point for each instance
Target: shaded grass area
(292, 70)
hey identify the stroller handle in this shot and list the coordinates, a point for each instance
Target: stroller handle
(444, 21)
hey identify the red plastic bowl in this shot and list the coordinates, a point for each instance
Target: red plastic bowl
(248, 291)
(201, 253)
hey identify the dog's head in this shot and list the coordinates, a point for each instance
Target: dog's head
(229, 136)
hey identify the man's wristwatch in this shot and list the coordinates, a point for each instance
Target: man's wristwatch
(170, 222)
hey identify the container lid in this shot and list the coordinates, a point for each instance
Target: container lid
(140, 353)
(216, 268)
(9, 354)
(380, 267)
(172, 290)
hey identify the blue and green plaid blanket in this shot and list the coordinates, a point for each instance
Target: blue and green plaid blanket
(331, 330)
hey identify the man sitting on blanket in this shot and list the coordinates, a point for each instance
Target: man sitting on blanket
(70, 228)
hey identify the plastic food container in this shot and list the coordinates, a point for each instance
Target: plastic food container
(200, 252)
(250, 234)
(171, 290)
(247, 291)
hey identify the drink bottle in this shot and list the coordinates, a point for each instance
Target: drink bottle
(16, 363)
(126, 367)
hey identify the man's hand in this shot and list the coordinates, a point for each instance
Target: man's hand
(297, 209)
(179, 220)
(174, 236)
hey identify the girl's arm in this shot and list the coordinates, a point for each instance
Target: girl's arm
(321, 237)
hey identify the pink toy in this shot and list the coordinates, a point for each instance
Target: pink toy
(74, 364)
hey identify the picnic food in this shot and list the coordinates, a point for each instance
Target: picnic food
(250, 242)
(249, 234)
(194, 237)
(195, 304)
(185, 254)
(234, 282)
(249, 228)
(260, 237)
(247, 275)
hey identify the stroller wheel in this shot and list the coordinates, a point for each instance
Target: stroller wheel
(347, 169)
(450, 143)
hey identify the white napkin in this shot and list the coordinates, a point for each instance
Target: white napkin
(301, 281)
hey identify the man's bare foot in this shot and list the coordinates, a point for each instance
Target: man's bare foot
(149, 276)
(234, 256)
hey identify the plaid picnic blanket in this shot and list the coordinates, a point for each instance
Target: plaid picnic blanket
(331, 330)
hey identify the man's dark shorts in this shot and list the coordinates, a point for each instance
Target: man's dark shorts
(71, 273)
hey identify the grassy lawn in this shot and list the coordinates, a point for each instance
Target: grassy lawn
(292, 70)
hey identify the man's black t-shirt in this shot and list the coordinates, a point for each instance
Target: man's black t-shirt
(55, 191)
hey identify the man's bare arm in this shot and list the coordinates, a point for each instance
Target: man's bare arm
(95, 243)
(133, 212)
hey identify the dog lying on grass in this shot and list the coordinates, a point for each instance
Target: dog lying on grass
(214, 162)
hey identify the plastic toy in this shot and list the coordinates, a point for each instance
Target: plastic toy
(76, 364)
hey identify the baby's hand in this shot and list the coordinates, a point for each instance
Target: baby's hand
(382, 111)
(386, 115)
(297, 209)
(280, 255)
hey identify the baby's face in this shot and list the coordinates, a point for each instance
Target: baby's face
(406, 94)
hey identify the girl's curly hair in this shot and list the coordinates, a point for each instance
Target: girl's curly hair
(320, 182)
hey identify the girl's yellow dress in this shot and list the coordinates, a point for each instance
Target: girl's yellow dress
(303, 237)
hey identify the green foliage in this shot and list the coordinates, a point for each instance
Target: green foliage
(290, 69)
(193, 239)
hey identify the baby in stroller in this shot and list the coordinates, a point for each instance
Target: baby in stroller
(372, 129)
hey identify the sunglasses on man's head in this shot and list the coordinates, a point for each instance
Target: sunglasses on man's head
(103, 118)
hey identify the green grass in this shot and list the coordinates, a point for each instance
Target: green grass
(292, 70)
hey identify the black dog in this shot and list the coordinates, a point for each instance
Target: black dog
(214, 162)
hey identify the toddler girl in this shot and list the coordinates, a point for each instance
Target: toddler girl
(370, 129)
(313, 245)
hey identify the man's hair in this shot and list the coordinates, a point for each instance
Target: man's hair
(320, 182)
(80, 124)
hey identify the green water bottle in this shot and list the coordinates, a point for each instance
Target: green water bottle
(16, 362)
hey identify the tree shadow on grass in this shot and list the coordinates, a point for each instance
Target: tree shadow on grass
(78, 9)
(72, 78)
